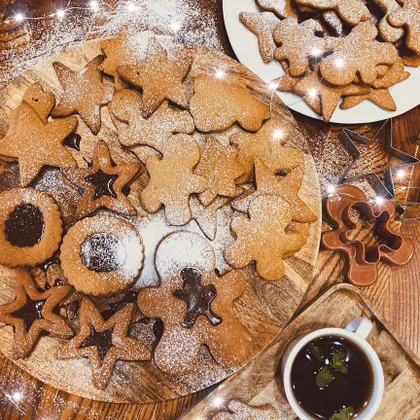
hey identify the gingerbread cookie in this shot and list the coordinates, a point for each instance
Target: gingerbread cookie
(286, 187)
(358, 54)
(159, 78)
(351, 11)
(124, 49)
(219, 165)
(172, 180)
(102, 255)
(101, 185)
(195, 305)
(104, 342)
(298, 41)
(84, 93)
(153, 131)
(265, 146)
(395, 74)
(283, 8)
(388, 32)
(380, 97)
(262, 25)
(35, 143)
(30, 227)
(330, 95)
(409, 17)
(264, 237)
(33, 313)
(220, 102)
(240, 411)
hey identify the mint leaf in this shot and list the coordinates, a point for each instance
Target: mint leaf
(339, 362)
(324, 377)
(317, 352)
(345, 414)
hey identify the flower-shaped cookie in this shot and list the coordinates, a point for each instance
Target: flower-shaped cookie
(264, 237)
(195, 305)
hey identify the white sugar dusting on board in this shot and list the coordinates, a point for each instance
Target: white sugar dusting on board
(182, 19)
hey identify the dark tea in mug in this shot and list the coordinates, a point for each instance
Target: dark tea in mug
(332, 378)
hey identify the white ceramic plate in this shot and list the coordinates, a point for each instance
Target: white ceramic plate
(245, 46)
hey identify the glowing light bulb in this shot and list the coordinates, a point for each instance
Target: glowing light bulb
(60, 13)
(19, 17)
(331, 189)
(176, 26)
(312, 93)
(400, 174)
(278, 134)
(379, 200)
(316, 52)
(94, 5)
(339, 63)
(273, 86)
(17, 396)
(217, 402)
(220, 74)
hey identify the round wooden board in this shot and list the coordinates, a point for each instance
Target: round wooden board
(265, 307)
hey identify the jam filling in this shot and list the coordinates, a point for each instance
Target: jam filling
(102, 253)
(30, 312)
(102, 340)
(197, 297)
(103, 184)
(73, 141)
(25, 226)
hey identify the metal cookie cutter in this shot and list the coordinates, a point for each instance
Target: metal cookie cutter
(361, 262)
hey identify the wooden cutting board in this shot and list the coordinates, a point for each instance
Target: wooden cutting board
(264, 309)
(260, 384)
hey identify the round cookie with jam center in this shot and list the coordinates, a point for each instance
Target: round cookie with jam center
(30, 227)
(102, 255)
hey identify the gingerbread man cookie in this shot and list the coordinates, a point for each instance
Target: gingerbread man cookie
(283, 8)
(102, 184)
(262, 25)
(195, 305)
(104, 342)
(159, 78)
(172, 180)
(298, 41)
(153, 131)
(33, 313)
(408, 16)
(84, 93)
(388, 32)
(219, 165)
(220, 102)
(264, 237)
(30, 227)
(351, 11)
(358, 54)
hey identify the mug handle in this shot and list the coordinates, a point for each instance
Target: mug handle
(361, 326)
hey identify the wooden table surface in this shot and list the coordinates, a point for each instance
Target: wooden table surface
(396, 296)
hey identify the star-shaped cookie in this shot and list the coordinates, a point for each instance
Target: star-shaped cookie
(219, 165)
(34, 312)
(153, 131)
(330, 95)
(264, 237)
(104, 342)
(84, 93)
(159, 78)
(102, 184)
(36, 143)
(172, 180)
(380, 97)
(265, 146)
(287, 187)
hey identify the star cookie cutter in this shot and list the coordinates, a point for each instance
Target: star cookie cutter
(361, 262)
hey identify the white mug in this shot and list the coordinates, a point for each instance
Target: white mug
(356, 332)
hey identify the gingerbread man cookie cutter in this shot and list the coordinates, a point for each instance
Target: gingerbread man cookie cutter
(361, 262)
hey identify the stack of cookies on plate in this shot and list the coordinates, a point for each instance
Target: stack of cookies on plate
(329, 50)
(217, 201)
